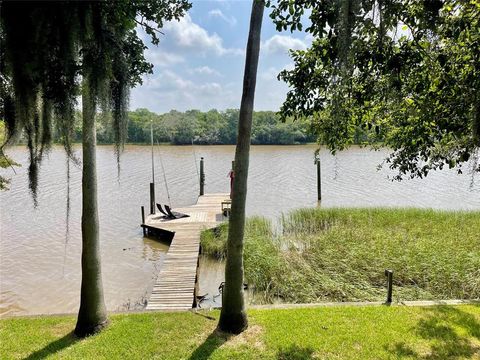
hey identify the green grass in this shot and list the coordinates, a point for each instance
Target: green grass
(446, 332)
(341, 255)
(214, 241)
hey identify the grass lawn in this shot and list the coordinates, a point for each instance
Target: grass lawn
(440, 332)
(341, 254)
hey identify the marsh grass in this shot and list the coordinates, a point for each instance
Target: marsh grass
(341, 255)
(214, 241)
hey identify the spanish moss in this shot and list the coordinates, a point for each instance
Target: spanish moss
(348, 10)
(55, 51)
(63, 43)
(67, 214)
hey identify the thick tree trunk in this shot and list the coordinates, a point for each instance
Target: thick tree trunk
(92, 316)
(233, 318)
(476, 121)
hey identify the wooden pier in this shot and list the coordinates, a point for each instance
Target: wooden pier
(174, 288)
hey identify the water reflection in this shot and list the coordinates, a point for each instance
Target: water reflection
(211, 274)
(154, 249)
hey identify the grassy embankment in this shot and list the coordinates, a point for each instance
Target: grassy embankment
(379, 332)
(341, 255)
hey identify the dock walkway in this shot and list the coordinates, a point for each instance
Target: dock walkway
(174, 288)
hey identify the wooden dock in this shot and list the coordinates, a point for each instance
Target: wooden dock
(174, 288)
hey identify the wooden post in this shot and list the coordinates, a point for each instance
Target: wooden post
(232, 179)
(143, 221)
(202, 178)
(152, 198)
(389, 275)
(319, 179)
(197, 285)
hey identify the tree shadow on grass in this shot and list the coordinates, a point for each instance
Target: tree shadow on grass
(54, 347)
(295, 352)
(211, 343)
(450, 331)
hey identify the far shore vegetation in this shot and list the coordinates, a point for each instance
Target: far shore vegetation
(341, 254)
(204, 128)
(378, 332)
(212, 127)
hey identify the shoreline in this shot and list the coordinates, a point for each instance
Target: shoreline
(413, 303)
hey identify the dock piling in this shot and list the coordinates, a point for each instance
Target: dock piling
(319, 179)
(389, 275)
(152, 198)
(202, 177)
(143, 221)
(232, 179)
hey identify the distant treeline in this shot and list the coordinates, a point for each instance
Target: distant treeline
(209, 128)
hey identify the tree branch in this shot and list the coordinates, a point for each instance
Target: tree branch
(145, 25)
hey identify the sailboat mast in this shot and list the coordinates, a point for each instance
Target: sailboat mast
(152, 184)
(151, 139)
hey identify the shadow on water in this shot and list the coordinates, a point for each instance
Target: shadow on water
(295, 352)
(449, 329)
(54, 347)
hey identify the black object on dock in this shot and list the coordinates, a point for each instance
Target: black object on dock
(159, 207)
(174, 214)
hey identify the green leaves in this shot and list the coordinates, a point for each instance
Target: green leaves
(50, 46)
(415, 89)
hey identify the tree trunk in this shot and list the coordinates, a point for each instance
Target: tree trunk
(233, 318)
(476, 121)
(92, 316)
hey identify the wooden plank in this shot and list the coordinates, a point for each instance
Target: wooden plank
(175, 285)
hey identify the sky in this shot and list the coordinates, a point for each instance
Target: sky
(200, 60)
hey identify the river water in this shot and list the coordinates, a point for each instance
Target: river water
(40, 262)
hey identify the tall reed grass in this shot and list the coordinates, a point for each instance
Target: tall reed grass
(341, 254)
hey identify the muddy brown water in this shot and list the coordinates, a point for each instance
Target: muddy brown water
(40, 263)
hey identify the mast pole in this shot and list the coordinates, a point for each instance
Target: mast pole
(151, 139)
(152, 184)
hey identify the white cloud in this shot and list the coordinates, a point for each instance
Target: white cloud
(168, 90)
(190, 36)
(205, 70)
(270, 92)
(309, 38)
(224, 3)
(269, 74)
(282, 43)
(177, 92)
(160, 57)
(169, 81)
(272, 72)
(219, 14)
(197, 69)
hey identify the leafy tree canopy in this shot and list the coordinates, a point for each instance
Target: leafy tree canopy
(48, 47)
(409, 70)
(209, 128)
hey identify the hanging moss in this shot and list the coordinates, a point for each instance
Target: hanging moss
(51, 46)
